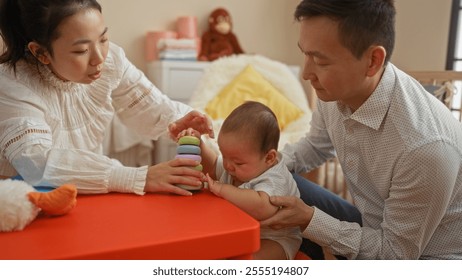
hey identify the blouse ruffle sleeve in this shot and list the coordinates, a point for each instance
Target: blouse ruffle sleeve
(27, 144)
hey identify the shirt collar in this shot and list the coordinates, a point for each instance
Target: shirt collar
(52, 80)
(373, 111)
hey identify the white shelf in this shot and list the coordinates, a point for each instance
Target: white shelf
(177, 79)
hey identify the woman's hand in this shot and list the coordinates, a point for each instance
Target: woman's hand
(292, 212)
(164, 176)
(189, 132)
(195, 120)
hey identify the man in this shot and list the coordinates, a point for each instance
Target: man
(399, 147)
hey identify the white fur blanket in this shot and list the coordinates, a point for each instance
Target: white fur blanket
(222, 71)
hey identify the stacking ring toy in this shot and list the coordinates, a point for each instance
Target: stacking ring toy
(188, 147)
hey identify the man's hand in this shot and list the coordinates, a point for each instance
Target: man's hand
(292, 212)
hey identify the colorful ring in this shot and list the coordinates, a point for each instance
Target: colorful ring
(193, 157)
(188, 149)
(189, 140)
(198, 167)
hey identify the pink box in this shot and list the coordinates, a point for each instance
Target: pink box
(152, 37)
(187, 27)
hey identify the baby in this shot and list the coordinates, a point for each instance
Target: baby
(249, 171)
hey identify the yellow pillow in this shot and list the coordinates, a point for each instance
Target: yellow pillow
(251, 85)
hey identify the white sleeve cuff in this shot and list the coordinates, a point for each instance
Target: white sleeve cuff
(128, 179)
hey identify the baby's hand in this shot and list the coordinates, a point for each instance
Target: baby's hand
(214, 186)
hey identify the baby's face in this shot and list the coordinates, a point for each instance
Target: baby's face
(241, 157)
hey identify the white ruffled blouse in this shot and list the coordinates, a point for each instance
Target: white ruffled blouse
(51, 131)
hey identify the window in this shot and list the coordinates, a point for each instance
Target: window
(454, 55)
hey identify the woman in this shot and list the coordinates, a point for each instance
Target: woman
(62, 81)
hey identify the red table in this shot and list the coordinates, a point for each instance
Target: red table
(128, 226)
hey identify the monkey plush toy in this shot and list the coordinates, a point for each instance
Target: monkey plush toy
(219, 40)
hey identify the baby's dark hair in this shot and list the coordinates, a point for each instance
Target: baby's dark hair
(24, 21)
(362, 23)
(255, 121)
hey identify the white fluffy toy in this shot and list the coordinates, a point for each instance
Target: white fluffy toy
(20, 203)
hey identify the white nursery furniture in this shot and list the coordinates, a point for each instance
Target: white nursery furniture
(177, 79)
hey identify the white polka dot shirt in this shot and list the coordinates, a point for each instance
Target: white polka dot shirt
(401, 153)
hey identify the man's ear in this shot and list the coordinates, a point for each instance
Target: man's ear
(39, 52)
(377, 56)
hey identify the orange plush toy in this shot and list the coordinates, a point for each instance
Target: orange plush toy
(20, 203)
(219, 40)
